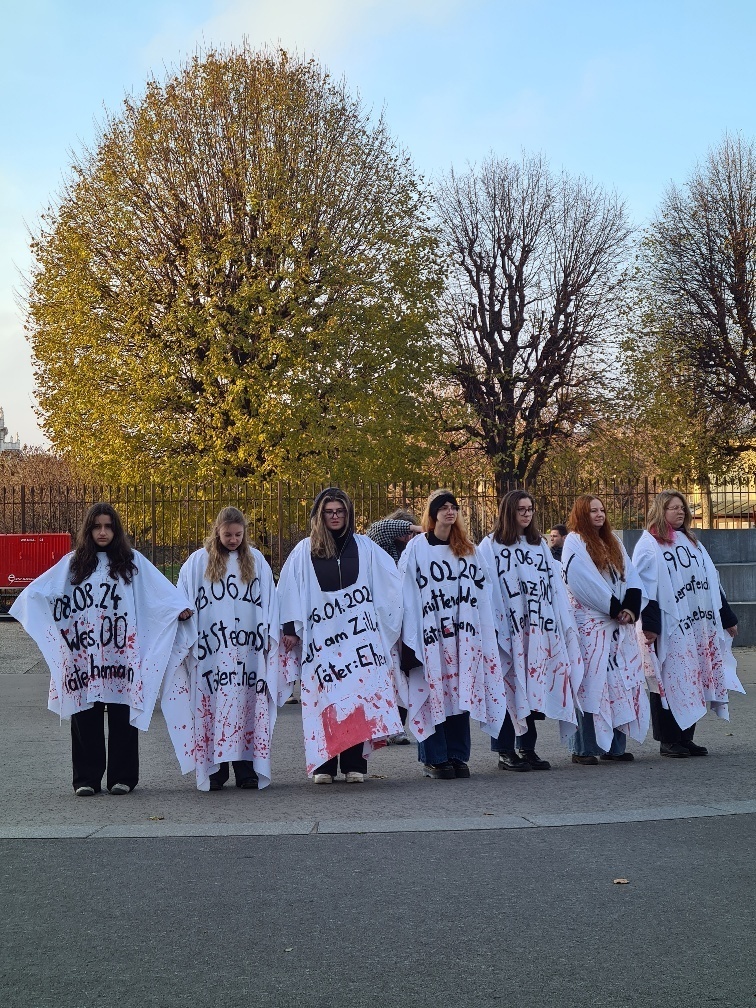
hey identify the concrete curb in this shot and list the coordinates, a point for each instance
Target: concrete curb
(326, 827)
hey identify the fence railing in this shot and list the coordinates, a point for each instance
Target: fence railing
(167, 523)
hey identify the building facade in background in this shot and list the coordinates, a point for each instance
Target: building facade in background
(5, 443)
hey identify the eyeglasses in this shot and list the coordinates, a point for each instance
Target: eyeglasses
(525, 510)
(445, 507)
(334, 514)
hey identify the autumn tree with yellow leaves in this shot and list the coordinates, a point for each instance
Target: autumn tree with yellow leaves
(237, 280)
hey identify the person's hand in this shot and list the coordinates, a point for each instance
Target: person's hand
(733, 630)
(625, 617)
(650, 636)
(186, 614)
(290, 641)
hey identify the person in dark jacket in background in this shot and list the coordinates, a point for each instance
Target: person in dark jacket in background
(557, 535)
(392, 534)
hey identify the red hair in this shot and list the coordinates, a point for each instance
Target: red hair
(602, 544)
(460, 542)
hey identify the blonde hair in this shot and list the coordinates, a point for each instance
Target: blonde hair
(602, 544)
(218, 554)
(460, 542)
(657, 523)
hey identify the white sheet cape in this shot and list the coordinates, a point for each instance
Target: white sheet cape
(220, 703)
(103, 640)
(613, 686)
(538, 638)
(344, 659)
(692, 663)
(449, 624)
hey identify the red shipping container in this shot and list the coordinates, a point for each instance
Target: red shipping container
(25, 557)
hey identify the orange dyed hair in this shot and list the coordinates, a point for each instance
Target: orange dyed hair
(460, 542)
(602, 544)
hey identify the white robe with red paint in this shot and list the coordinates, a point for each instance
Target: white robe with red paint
(344, 658)
(449, 624)
(691, 664)
(538, 638)
(103, 640)
(613, 686)
(220, 703)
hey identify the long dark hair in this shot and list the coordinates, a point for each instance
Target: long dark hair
(322, 542)
(120, 554)
(507, 531)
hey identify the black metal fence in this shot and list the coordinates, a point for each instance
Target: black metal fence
(167, 523)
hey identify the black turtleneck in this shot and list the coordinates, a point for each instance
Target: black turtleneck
(331, 575)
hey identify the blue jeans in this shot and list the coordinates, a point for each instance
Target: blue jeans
(450, 741)
(507, 739)
(584, 740)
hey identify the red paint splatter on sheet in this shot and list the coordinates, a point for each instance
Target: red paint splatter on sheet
(355, 728)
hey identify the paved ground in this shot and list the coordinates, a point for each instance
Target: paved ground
(405, 891)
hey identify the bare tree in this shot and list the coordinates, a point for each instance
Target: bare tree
(701, 261)
(530, 305)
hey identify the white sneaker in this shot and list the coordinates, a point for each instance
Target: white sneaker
(84, 792)
(354, 778)
(322, 778)
(119, 789)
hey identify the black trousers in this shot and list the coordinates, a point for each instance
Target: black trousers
(664, 726)
(351, 760)
(88, 747)
(244, 770)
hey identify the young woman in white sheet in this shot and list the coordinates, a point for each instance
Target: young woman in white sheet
(606, 596)
(687, 628)
(105, 620)
(220, 706)
(538, 640)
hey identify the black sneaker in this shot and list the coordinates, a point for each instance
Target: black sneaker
(440, 771)
(461, 769)
(695, 750)
(511, 761)
(533, 760)
(216, 785)
(625, 757)
(248, 783)
(674, 749)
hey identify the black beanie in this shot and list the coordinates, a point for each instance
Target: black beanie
(438, 502)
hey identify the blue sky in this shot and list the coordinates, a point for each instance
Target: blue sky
(629, 93)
